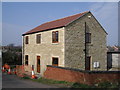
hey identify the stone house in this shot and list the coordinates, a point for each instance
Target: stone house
(77, 41)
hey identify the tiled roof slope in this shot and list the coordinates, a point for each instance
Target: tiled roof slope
(56, 23)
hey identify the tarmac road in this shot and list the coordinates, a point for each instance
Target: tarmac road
(12, 81)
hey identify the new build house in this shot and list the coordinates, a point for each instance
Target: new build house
(77, 41)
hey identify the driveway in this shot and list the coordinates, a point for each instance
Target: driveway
(12, 81)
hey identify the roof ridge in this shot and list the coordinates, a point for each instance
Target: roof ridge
(56, 23)
(65, 17)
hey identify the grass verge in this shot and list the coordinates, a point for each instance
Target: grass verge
(53, 82)
(64, 84)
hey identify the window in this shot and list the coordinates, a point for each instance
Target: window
(38, 38)
(55, 36)
(55, 61)
(26, 59)
(26, 40)
(88, 37)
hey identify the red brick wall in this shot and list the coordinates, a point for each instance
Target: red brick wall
(84, 77)
(22, 70)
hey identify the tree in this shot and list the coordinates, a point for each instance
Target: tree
(12, 55)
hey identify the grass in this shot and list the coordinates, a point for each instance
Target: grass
(65, 84)
(78, 85)
(25, 77)
(108, 85)
(53, 82)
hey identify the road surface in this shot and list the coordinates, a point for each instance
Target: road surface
(12, 81)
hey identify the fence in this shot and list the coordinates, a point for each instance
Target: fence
(81, 76)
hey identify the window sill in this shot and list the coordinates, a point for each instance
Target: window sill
(90, 44)
(55, 43)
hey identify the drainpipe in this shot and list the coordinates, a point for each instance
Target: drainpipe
(85, 46)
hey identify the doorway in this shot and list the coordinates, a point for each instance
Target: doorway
(38, 64)
(88, 63)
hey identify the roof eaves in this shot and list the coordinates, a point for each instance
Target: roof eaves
(41, 31)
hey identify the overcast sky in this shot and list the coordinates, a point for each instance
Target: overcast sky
(19, 17)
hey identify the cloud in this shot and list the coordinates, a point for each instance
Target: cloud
(107, 15)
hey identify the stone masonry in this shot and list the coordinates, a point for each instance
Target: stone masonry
(71, 46)
(46, 49)
(75, 43)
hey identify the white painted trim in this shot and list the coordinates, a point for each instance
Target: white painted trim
(37, 54)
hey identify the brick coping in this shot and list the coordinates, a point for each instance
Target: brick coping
(84, 71)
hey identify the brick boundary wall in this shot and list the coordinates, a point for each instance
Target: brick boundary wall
(80, 76)
(23, 70)
(20, 70)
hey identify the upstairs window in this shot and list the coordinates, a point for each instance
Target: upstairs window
(38, 38)
(26, 59)
(88, 37)
(55, 37)
(55, 61)
(26, 40)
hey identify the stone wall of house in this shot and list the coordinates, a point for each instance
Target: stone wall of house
(75, 43)
(46, 49)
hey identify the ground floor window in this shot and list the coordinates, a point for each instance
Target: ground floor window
(55, 61)
(26, 59)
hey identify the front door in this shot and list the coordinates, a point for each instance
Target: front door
(38, 64)
(87, 63)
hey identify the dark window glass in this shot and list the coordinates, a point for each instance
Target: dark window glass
(26, 40)
(38, 38)
(88, 37)
(55, 62)
(55, 36)
(26, 59)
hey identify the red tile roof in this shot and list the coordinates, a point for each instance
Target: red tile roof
(56, 23)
